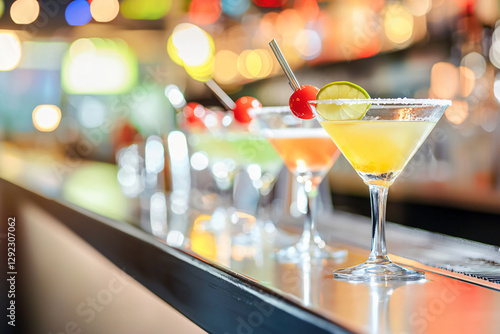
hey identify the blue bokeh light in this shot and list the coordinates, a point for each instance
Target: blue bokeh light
(235, 7)
(78, 13)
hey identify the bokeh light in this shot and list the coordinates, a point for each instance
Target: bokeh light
(46, 117)
(91, 112)
(308, 9)
(226, 67)
(104, 10)
(444, 80)
(204, 11)
(145, 9)
(78, 13)
(175, 96)
(235, 7)
(307, 43)
(418, 7)
(11, 51)
(102, 66)
(467, 81)
(24, 11)
(475, 62)
(398, 24)
(194, 49)
(457, 112)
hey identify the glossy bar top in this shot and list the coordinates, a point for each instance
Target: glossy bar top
(225, 278)
(445, 302)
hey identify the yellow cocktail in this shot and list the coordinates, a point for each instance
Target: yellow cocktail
(377, 149)
(378, 137)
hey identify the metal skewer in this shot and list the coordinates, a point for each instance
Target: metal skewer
(221, 95)
(294, 83)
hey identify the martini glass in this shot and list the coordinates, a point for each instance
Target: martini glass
(378, 146)
(308, 153)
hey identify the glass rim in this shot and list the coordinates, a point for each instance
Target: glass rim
(391, 101)
(270, 109)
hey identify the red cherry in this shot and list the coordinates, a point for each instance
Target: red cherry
(241, 110)
(298, 101)
(194, 113)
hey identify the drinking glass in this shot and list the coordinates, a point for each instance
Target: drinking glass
(378, 146)
(308, 153)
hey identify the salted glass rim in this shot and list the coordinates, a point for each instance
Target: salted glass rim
(392, 101)
(270, 109)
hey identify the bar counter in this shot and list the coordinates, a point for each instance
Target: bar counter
(233, 284)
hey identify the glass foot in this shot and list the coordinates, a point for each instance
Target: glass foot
(304, 252)
(378, 272)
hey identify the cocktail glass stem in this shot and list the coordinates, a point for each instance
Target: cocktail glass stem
(378, 199)
(378, 267)
(310, 236)
(310, 246)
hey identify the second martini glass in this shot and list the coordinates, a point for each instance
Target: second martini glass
(308, 153)
(378, 146)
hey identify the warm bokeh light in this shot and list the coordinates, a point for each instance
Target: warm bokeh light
(78, 13)
(192, 45)
(24, 11)
(307, 43)
(444, 80)
(467, 81)
(104, 10)
(487, 11)
(398, 24)
(145, 9)
(46, 117)
(418, 7)
(11, 51)
(194, 49)
(308, 9)
(235, 7)
(457, 112)
(254, 64)
(102, 66)
(226, 66)
(204, 11)
(289, 23)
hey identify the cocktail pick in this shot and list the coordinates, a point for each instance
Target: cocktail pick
(226, 101)
(240, 107)
(294, 83)
(301, 94)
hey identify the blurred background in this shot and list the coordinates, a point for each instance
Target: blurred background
(80, 80)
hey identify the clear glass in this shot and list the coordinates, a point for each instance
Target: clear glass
(308, 153)
(379, 146)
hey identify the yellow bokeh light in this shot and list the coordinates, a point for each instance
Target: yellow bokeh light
(226, 67)
(24, 11)
(203, 72)
(145, 9)
(444, 80)
(398, 24)
(457, 112)
(104, 10)
(193, 45)
(266, 63)
(467, 81)
(11, 51)
(46, 117)
(2, 7)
